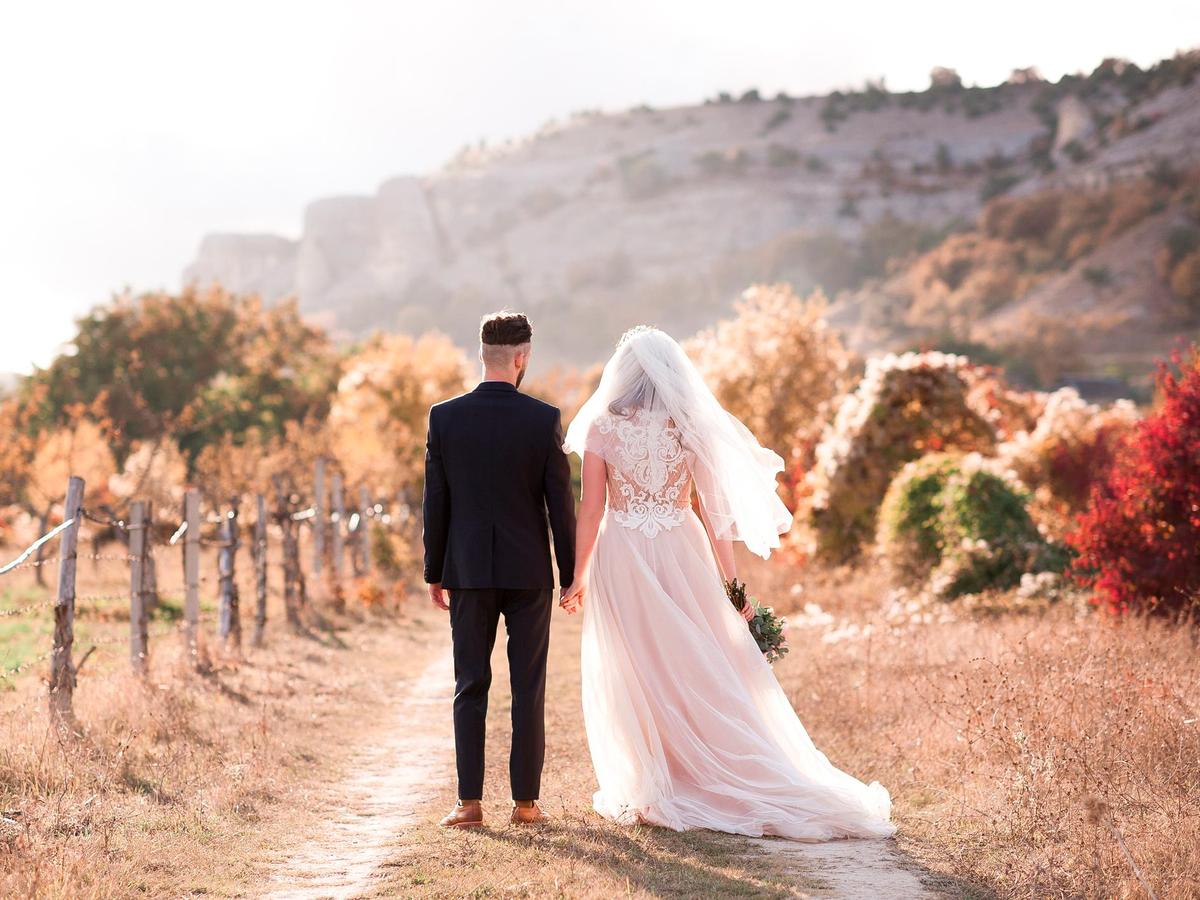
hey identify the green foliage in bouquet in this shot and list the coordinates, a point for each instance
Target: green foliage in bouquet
(766, 627)
(963, 528)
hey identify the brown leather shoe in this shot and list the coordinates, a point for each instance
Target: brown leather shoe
(528, 815)
(466, 814)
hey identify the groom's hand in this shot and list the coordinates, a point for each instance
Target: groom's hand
(439, 598)
(572, 597)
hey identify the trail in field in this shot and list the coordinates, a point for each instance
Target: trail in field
(393, 777)
(391, 780)
(848, 870)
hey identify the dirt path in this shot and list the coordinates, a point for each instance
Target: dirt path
(391, 781)
(855, 870)
(380, 838)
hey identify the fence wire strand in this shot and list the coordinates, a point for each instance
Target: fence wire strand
(353, 523)
(10, 674)
(109, 557)
(105, 520)
(32, 548)
(27, 608)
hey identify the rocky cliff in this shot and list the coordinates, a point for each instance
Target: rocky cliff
(663, 215)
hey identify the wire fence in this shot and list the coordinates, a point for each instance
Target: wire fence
(339, 548)
(33, 548)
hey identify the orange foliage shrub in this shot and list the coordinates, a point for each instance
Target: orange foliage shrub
(154, 471)
(16, 451)
(564, 387)
(1067, 452)
(776, 365)
(369, 594)
(1058, 227)
(1007, 409)
(1020, 239)
(904, 407)
(1185, 280)
(79, 448)
(378, 416)
(964, 278)
(238, 465)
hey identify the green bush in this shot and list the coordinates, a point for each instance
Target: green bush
(996, 185)
(779, 117)
(962, 529)
(642, 176)
(780, 156)
(909, 538)
(816, 165)
(732, 161)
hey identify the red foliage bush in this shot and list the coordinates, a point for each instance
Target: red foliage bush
(1139, 540)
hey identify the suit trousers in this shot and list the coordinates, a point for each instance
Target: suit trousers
(474, 616)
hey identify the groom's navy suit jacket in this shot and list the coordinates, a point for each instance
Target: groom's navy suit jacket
(495, 477)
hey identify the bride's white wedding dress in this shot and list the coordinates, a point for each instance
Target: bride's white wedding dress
(687, 725)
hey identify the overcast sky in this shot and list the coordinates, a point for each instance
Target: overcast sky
(129, 129)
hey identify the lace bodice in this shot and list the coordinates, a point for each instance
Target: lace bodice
(649, 482)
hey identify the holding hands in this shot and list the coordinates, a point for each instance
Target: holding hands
(572, 597)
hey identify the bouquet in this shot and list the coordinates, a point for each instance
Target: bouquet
(766, 627)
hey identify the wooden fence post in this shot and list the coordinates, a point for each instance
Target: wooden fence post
(338, 503)
(318, 555)
(138, 620)
(365, 512)
(150, 568)
(291, 557)
(230, 621)
(191, 575)
(62, 668)
(260, 571)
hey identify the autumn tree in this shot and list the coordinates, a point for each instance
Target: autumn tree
(240, 465)
(16, 451)
(75, 448)
(776, 365)
(155, 471)
(194, 367)
(378, 416)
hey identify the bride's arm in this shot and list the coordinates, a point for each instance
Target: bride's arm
(723, 550)
(587, 528)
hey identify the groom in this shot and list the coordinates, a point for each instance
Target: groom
(495, 474)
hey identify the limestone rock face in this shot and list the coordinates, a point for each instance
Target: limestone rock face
(339, 243)
(246, 263)
(1075, 123)
(664, 216)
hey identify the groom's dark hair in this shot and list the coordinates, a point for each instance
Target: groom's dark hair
(505, 328)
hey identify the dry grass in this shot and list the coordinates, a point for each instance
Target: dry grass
(1031, 755)
(1036, 755)
(184, 784)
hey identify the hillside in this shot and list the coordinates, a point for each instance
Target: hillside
(664, 215)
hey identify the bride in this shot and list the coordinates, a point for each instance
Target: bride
(687, 726)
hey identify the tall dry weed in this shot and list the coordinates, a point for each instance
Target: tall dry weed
(1045, 754)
